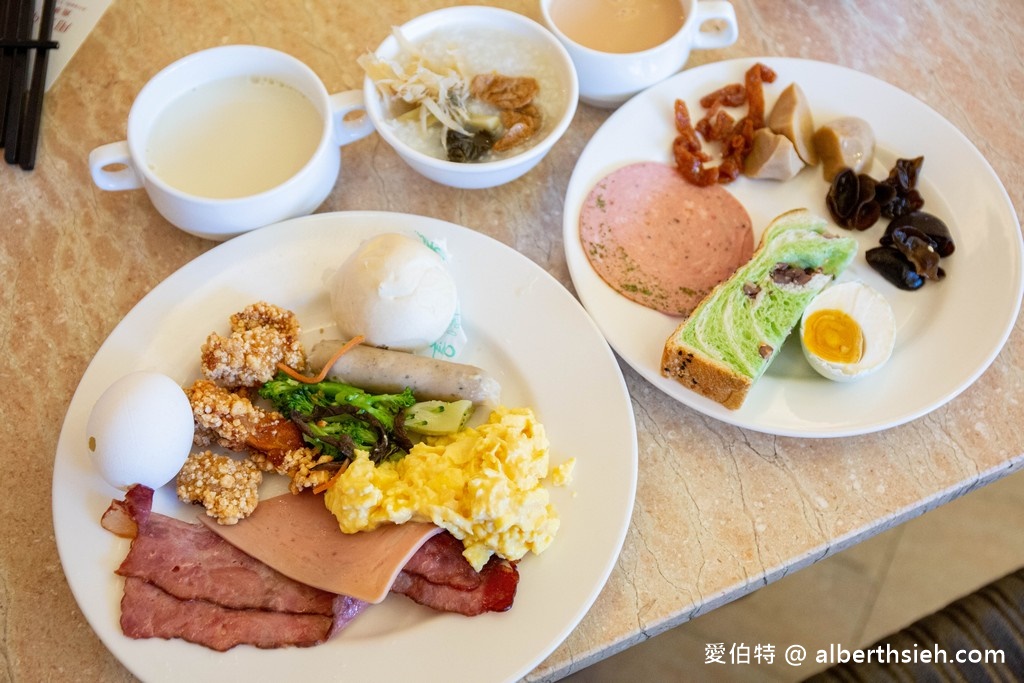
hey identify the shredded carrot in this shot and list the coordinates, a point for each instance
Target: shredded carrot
(322, 375)
(320, 488)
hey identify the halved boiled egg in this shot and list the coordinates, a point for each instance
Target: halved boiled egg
(848, 331)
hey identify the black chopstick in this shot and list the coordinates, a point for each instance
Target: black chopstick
(9, 30)
(21, 98)
(28, 137)
(18, 75)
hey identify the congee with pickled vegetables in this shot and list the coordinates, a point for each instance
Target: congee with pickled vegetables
(467, 94)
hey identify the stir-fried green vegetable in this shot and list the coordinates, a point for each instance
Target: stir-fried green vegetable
(339, 418)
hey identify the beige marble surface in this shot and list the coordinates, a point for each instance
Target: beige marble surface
(719, 512)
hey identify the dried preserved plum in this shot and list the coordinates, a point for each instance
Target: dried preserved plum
(894, 267)
(932, 226)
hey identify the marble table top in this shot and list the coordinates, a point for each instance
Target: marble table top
(719, 512)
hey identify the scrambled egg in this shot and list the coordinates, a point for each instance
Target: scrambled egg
(484, 484)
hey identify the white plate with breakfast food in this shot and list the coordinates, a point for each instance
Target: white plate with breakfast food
(505, 304)
(947, 331)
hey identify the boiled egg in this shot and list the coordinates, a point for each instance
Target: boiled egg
(140, 430)
(848, 331)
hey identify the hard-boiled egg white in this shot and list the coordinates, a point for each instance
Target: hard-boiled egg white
(140, 430)
(848, 331)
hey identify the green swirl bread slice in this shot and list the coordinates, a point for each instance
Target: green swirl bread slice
(734, 333)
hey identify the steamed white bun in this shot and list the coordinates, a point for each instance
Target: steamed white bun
(395, 291)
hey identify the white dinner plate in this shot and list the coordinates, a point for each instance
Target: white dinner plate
(948, 332)
(510, 307)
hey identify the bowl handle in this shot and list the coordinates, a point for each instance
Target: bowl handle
(348, 115)
(113, 154)
(725, 36)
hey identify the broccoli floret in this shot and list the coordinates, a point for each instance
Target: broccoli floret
(339, 417)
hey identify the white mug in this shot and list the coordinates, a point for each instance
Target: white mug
(607, 79)
(297, 189)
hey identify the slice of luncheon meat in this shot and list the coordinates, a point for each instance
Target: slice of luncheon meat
(417, 560)
(362, 565)
(661, 241)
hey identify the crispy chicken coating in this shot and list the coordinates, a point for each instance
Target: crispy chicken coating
(298, 466)
(262, 335)
(223, 417)
(274, 443)
(226, 487)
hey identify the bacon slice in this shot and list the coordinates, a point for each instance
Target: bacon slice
(191, 562)
(438, 576)
(149, 612)
(184, 581)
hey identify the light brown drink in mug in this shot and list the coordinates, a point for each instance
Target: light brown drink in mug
(618, 25)
(234, 137)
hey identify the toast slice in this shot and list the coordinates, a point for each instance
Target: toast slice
(734, 333)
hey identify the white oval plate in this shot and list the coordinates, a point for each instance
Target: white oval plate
(510, 306)
(947, 332)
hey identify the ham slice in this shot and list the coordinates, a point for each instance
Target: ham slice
(438, 576)
(190, 562)
(184, 581)
(299, 537)
(149, 612)
(416, 560)
(661, 241)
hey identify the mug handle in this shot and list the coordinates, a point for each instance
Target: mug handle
(346, 129)
(109, 155)
(723, 37)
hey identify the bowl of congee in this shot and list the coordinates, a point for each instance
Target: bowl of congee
(470, 97)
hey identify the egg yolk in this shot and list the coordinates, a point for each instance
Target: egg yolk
(834, 336)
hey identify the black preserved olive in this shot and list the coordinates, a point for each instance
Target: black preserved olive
(930, 225)
(464, 148)
(851, 200)
(904, 173)
(919, 250)
(844, 194)
(894, 267)
(903, 180)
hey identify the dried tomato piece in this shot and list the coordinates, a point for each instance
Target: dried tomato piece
(716, 126)
(732, 95)
(684, 128)
(755, 77)
(687, 150)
